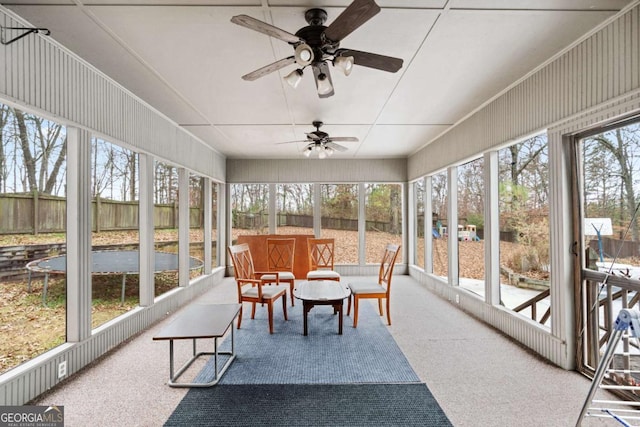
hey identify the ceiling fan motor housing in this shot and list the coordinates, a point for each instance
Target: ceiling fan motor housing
(313, 35)
(315, 16)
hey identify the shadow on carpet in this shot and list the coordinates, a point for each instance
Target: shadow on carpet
(310, 405)
(366, 354)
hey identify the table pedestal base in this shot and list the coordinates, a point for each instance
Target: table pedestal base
(337, 308)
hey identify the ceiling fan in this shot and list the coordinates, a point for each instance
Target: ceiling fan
(316, 44)
(321, 143)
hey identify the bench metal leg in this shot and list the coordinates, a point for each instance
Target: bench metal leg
(173, 378)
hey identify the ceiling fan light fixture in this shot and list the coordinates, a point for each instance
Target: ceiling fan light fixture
(294, 78)
(304, 54)
(324, 85)
(320, 144)
(344, 63)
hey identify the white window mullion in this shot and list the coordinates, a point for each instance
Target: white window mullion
(452, 223)
(78, 234)
(317, 210)
(146, 230)
(183, 227)
(362, 224)
(412, 222)
(428, 221)
(207, 218)
(491, 229)
(273, 211)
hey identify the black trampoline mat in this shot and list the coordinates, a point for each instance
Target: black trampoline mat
(112, 262)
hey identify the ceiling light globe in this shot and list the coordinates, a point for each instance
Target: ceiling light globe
(294, 78)
(322, 154)
(304, 55)
(345, 63)
(324, 85)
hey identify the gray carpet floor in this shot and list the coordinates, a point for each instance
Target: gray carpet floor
(367, 354)
(477, 375)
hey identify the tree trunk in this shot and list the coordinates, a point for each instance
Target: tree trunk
(29, 161)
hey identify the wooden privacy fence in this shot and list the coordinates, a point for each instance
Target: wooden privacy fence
(610, 247)
(36, 213)
(254, 221)
(306, 221)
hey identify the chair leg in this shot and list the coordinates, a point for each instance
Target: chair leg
(291, 286)
(270, 309)
(380, 306)
(349, 305)
(355, 311)
(388, 312)
(284, 306)
(253, 310)
(240, 315)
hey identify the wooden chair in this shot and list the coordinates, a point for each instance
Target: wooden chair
(380, 290)
(257, 291)
(280, 256)
(321, 260)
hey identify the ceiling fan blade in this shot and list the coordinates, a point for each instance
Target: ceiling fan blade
(336, 147)
(356, 14)
(343, 139)
(372, 60)
(322, 68)
(267, 69)
(263, 27)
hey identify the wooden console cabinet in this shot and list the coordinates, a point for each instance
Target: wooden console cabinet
(258, 246)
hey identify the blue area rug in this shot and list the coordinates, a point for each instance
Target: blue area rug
(360, 378)
(353, 405)
(366, 354)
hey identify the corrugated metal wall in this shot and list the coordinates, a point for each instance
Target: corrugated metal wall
(40, 76)
(310, 171)
(600, 69)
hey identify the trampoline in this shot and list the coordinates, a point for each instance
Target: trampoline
(107, 262)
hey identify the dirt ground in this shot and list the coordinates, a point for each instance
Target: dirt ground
(29, 328)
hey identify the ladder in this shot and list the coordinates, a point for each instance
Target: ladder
(624, 412)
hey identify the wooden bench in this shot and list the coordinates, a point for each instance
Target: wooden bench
(201, 321)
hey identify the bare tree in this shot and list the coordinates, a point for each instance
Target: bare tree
(471, 191)
(4, 169)
(525, 165)
(623, 143)
(43, 150)
(166, 183)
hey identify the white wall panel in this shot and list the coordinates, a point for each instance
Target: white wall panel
(313, 170)
(603, 67)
